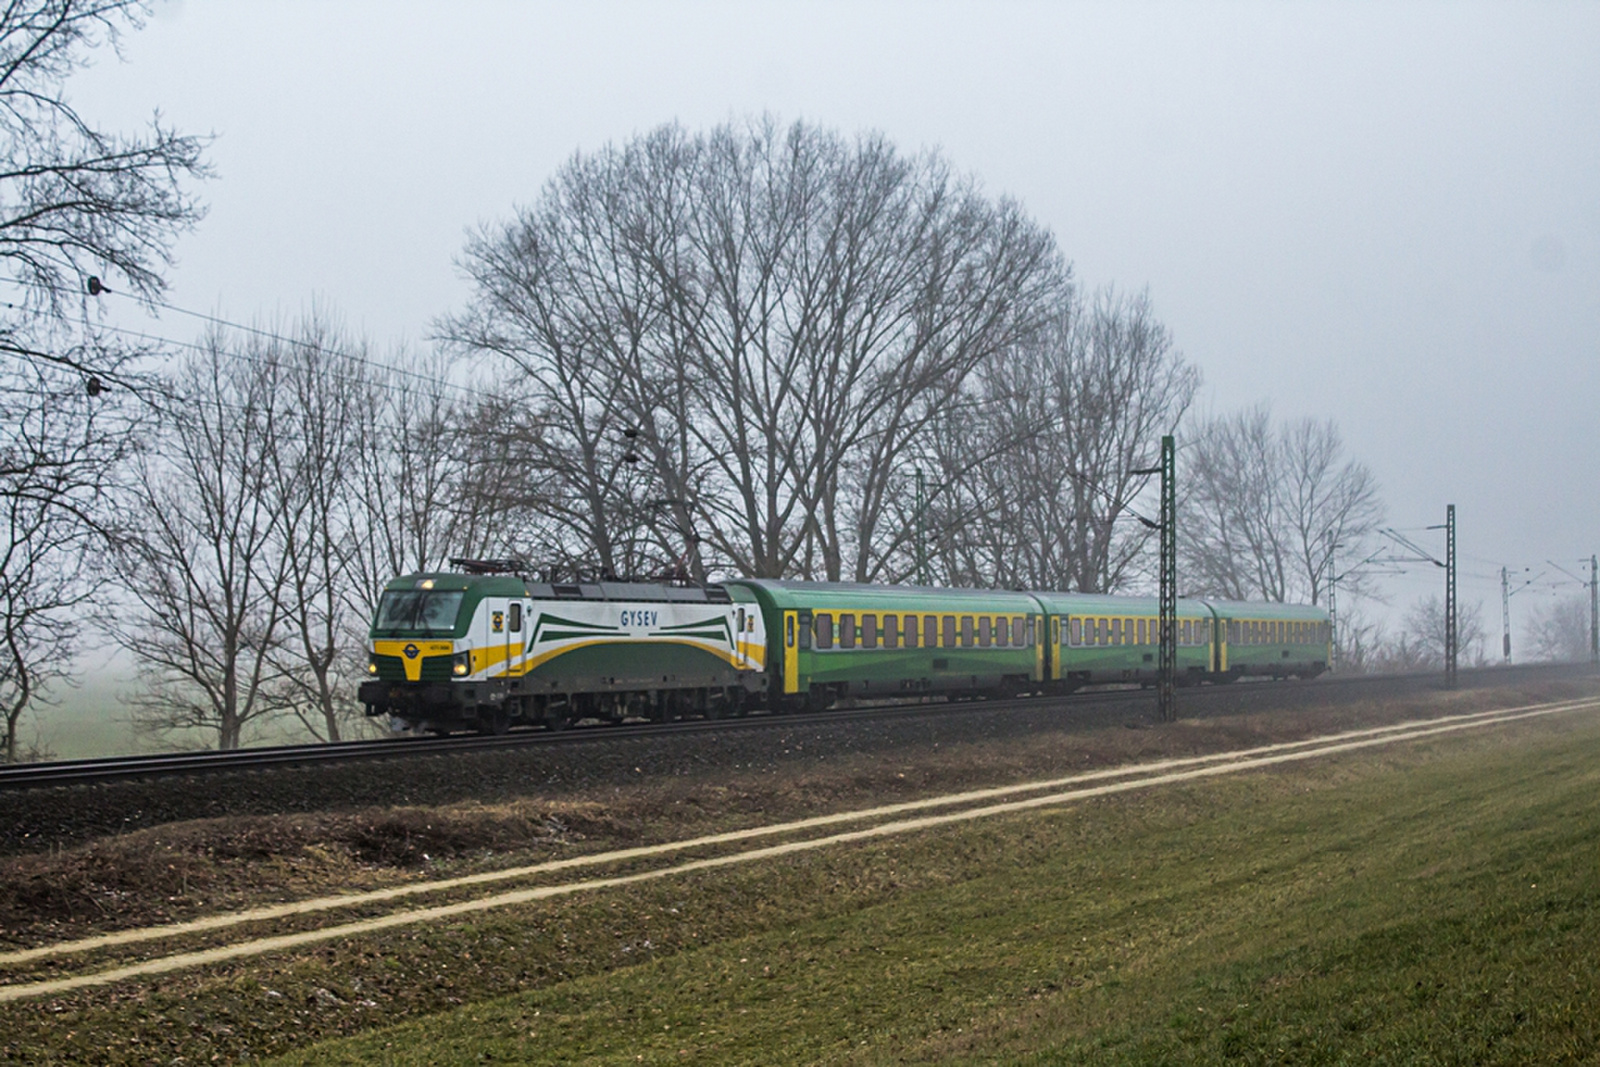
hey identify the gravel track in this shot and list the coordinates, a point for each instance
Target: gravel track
(39, 819)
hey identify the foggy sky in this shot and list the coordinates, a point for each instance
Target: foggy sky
(1385, 215)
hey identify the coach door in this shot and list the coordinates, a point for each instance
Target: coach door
(793, 636)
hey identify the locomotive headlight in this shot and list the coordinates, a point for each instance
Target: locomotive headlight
(372, 665)
(461, 666)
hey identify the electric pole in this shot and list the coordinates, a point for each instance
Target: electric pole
(1450, 597)
(1594, 609)
(1167, 678)
(922, 529)
(1333, 605)
(1169, 582)
(1505, 614)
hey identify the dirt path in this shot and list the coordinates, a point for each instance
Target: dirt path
(971, 804)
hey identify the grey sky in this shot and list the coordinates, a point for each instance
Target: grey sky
(1387, 215)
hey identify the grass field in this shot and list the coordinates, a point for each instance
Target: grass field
(1433, 902)
(1431, 905)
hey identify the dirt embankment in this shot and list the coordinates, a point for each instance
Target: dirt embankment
(189, 868)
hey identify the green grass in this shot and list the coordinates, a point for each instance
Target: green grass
(1401, 909)
(1435, 904)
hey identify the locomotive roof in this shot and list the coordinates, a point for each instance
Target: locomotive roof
(510, 585)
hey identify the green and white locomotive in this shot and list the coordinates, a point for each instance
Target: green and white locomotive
(485, 647)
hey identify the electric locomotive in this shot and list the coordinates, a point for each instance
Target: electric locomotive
(486, 647)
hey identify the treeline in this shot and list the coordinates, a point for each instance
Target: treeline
(761, 350)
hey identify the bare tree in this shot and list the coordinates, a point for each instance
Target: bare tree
(76, 202)
(325, 378)
(433, 472)
(1559, 630)
(1268, 507)
(81, 211)
(1424, 633)
(762, 318)
(49, 524)
(1042, 466)
(199, 559)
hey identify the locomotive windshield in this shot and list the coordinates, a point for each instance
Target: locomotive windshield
(412, 611)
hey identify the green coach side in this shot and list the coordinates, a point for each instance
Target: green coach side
(829, 640)
(1273, 640)
(1097, 639)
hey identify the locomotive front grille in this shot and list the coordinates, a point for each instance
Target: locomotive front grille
(436, 668)
(390, 668)
(393, 669)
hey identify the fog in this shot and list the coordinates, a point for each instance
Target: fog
(1387, 216)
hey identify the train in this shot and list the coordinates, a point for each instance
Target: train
(487, 646)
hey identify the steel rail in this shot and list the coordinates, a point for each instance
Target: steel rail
(175, 764)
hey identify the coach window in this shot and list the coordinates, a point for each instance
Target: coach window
(869, 631)
(947, 627)
(805, 629)
(930, 631)
(515, 624)
(788, 631)
(847, 631)
(891, 631)
(966, 631)
(983, 631)
(1020, 634)
(824, 630)
(1102, 631)
(1116, 631)
(1188, 632)
(1144, 631)
(1075, 631)
(1002, 632)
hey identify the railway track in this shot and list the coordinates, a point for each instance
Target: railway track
(172, 764)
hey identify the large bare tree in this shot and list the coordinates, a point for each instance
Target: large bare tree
(1046, 470)
(201, 559)
(82, 212)
(731, 339)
